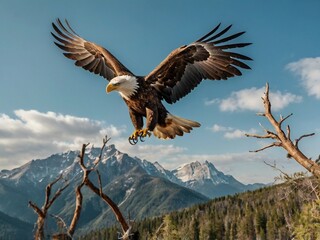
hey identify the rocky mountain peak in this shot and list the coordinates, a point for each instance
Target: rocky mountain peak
(197, 171)
(201, 177)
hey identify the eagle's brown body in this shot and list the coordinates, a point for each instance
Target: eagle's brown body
(146, 103)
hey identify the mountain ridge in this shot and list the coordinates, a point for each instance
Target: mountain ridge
(139, 187)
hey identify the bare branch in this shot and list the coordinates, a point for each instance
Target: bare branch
(105, 141)
(269, 135)
(303, 136)
(81, 155)
(86, 181)
(284, 139)
(79, 196)
(42, 213)
(48, 191)
(77, 210)
(56, 195)
(275, 144)
(113, 206)
(266, 130)
(288, 133)
(36, 209)
(266, 101)
(314, 189)
(59, 219)
(274, 166)
(283, 119)
(99, 182)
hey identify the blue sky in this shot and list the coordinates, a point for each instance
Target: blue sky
(48, 105)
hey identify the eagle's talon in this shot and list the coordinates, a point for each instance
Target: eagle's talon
(135, 134)
(141, 138)
(132, 141)
(144, 133)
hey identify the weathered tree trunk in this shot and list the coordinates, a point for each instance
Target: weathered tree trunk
(42, 213)
(86, 181)
(283, 139)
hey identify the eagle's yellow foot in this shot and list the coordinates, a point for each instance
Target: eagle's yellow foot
(144, 132)
(138, 133)
(135, 134)
(133, 139)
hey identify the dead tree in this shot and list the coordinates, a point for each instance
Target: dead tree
(98, 190)
(283, 139)
(126, 229)
(86, 170)
(79, 197)
(42, 212)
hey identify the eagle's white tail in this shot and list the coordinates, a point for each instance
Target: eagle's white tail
(174, 126)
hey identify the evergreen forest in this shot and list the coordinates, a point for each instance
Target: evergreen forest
(284, 211)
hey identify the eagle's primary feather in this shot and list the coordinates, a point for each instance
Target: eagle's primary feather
(176, 76)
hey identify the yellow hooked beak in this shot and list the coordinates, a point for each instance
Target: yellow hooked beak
(110, 87)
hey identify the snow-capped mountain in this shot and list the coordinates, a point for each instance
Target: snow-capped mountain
(201, 177)
(129, 181)
(206, 179)
(38, 170)
(137, 186)
(197, 172)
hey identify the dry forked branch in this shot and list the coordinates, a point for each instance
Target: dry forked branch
(76, 216)
(97, 190)
(87, 182)
(86, 172)
(42, 212)
(294, 178)
(283, 139)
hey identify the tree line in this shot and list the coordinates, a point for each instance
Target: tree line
(268, 213)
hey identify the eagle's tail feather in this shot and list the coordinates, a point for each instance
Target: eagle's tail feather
(174, 126)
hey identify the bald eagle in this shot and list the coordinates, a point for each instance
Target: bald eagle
(179, 73)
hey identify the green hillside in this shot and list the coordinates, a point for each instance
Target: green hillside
(267, 213)
(13, 228)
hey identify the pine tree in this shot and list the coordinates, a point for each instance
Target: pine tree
(169, 230)
(260, 224)
(307, 226)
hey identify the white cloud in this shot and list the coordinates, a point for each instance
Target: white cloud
(250, 99)
(230, 132)
(33, 134)
(309, 71)
(235, 134)
(219, 128)
(238, 133)
(211, 102)
(150, 152)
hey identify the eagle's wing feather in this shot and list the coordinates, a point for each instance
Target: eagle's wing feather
(87, 55)
(185, 67)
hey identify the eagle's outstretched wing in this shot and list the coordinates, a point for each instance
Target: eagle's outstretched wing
(187, 66)
(88, 55)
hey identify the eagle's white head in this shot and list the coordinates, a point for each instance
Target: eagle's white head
(126, 85)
